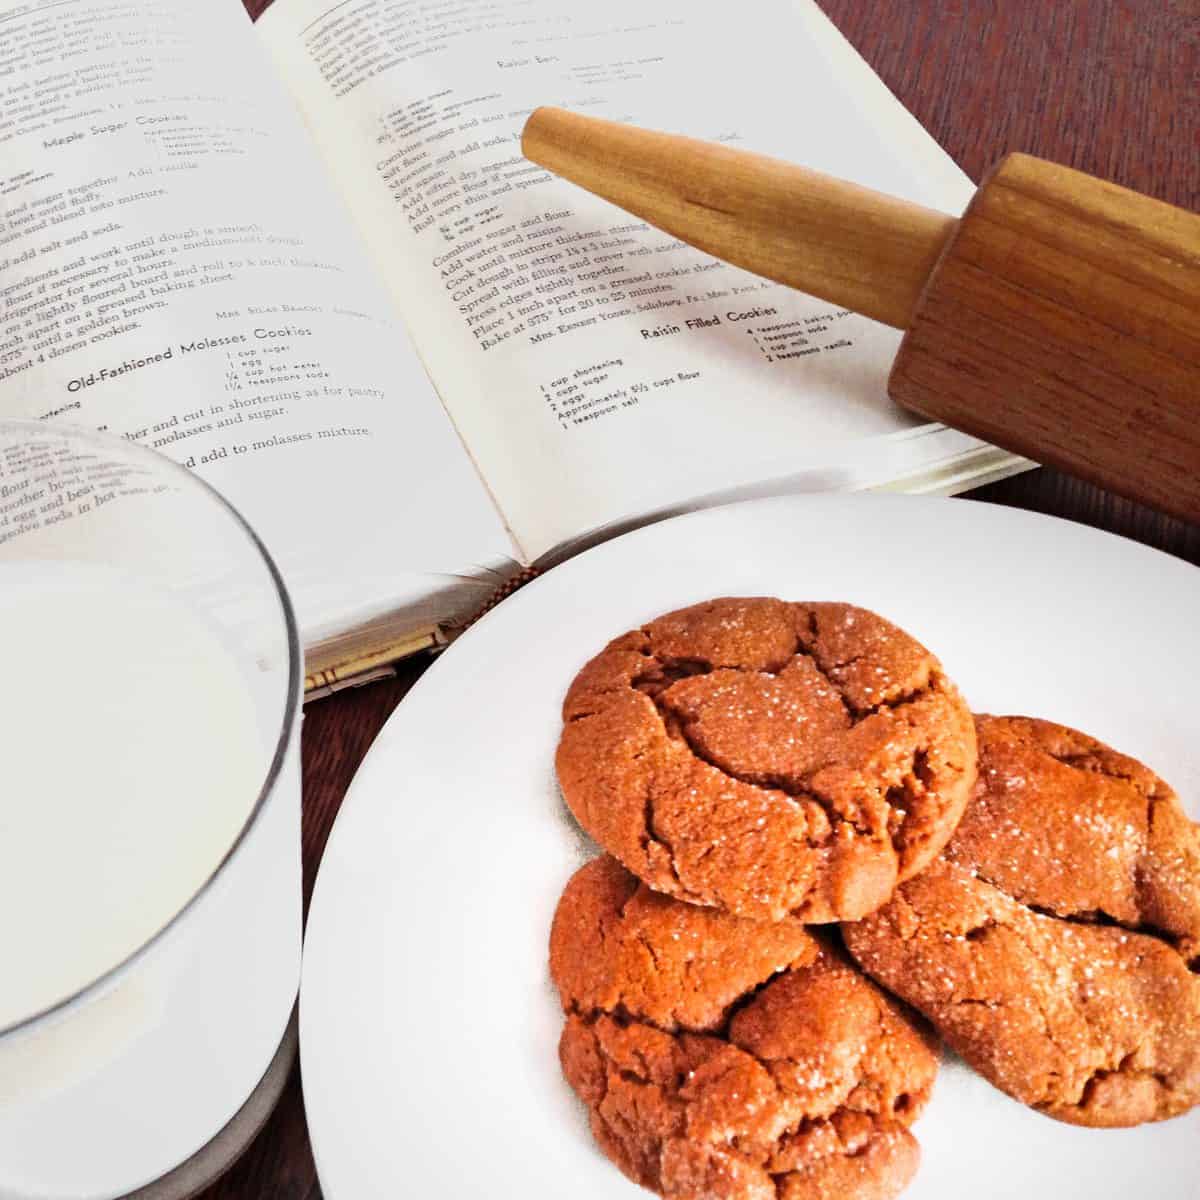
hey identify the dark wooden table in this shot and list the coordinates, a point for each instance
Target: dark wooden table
(1108, 86)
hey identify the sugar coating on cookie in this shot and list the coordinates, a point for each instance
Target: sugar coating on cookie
(728, 1059)
(1054, 943)
(1070, 826)
(769, 758)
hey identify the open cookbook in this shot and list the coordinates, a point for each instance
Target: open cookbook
(306, 258)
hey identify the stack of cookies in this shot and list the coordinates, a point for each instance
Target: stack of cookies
(807, 832)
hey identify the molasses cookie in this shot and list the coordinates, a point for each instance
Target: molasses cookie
(1054, 945)
(768, 758)
(722, 1058)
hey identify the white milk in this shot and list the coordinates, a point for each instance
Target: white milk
(133, 748)
(131, 761)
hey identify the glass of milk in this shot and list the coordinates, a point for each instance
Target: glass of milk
(149, 814)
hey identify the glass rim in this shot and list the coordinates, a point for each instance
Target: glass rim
(111, 975)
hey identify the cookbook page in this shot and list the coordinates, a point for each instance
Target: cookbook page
(176, 268)
(596, 367)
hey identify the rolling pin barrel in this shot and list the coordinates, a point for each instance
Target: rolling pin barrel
(1059, 318)
(1063, 323)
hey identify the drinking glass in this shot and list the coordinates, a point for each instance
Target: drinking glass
(150, 678)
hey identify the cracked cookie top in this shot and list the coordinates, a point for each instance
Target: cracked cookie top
(768, 758)
(1055, 943)
(1064, 824)
(616, 946)
(729, 1059)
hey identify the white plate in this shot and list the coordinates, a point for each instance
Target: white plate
(428, 1023)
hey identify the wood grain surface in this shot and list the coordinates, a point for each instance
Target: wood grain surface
(1109, 86)
(1062, 322)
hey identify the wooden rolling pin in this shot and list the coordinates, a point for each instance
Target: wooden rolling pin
(1059, 318)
